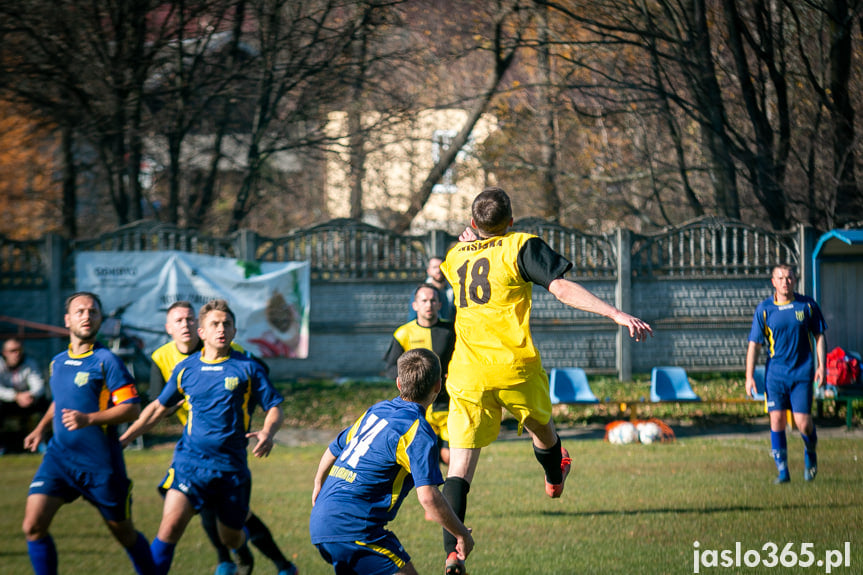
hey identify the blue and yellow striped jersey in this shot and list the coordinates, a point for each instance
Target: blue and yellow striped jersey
(221, 397)
(379, 459)
(785, 330)
(90, 382)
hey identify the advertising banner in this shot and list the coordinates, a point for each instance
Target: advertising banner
(270, 300)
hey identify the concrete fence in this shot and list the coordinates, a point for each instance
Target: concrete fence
(697, 285)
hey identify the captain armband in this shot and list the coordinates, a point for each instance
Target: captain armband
(124, 394)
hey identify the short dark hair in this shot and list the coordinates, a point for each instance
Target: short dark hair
(492, 211)
(426, 286)
(181, 303)
(419, 372)
(215, 305)
(78, 294)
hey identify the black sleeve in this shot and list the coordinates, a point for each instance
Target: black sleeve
(391, 358)
(540, 264)
(443, 343)
(157, 382)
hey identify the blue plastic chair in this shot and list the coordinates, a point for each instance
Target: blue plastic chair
(569, 385)
(670, 384)
(758, 374)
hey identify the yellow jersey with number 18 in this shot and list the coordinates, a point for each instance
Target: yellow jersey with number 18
(493, 303)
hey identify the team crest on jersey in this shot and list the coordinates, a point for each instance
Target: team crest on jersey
(81, 378)
(231, 383)
(799, 315)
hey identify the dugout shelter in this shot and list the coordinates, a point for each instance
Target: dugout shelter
(837, 264)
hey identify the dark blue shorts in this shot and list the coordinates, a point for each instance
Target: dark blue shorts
(796, 396)
(381, 556)
(226, 492)
(110, 491)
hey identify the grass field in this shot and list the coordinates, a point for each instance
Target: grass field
(627, 509)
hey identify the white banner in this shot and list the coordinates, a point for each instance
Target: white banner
(270, 300)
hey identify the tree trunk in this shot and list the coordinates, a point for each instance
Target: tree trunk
(70, 175)
(548, 131)
(849, 201)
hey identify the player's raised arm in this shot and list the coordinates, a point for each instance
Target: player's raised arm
(574, 295)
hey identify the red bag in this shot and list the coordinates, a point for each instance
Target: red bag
(842, 369)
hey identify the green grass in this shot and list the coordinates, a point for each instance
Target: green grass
(330, 405)
(626, 509)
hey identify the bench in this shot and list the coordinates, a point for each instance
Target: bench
(847, 394)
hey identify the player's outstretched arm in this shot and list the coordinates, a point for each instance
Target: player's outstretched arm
(149, 417)
(327, 461)
(272, 423)
(438, 509)
(574, 295)
(35, 437)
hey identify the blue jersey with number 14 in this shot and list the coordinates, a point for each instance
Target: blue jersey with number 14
(379, 459)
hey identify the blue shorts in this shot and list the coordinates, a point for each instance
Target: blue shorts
(110, 491)
(226, 492)
(381, 556)
(796, 396)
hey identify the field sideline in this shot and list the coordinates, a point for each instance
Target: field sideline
(626, 509)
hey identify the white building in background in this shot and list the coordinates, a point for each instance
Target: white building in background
(398, 162)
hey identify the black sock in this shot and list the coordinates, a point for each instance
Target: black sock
(244, 554)
(550, 460)
(208, 522)
(261, 538)
(455, 490)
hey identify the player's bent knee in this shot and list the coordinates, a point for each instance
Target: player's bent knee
(33, 529)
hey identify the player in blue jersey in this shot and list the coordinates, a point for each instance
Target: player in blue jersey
(368, 470)
(221, 388)
(93, 392)
(181, 325)
(786, 324)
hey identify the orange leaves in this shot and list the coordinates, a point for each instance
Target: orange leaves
(29, 192)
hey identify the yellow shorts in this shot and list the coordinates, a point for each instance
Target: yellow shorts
(438, 419)
(474, 415)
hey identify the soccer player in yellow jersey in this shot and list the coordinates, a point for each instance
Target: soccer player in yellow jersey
(495, 363)
(181, 325)
(427, 331)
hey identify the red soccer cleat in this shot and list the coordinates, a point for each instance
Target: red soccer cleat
(454, 566)
(555, 491)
